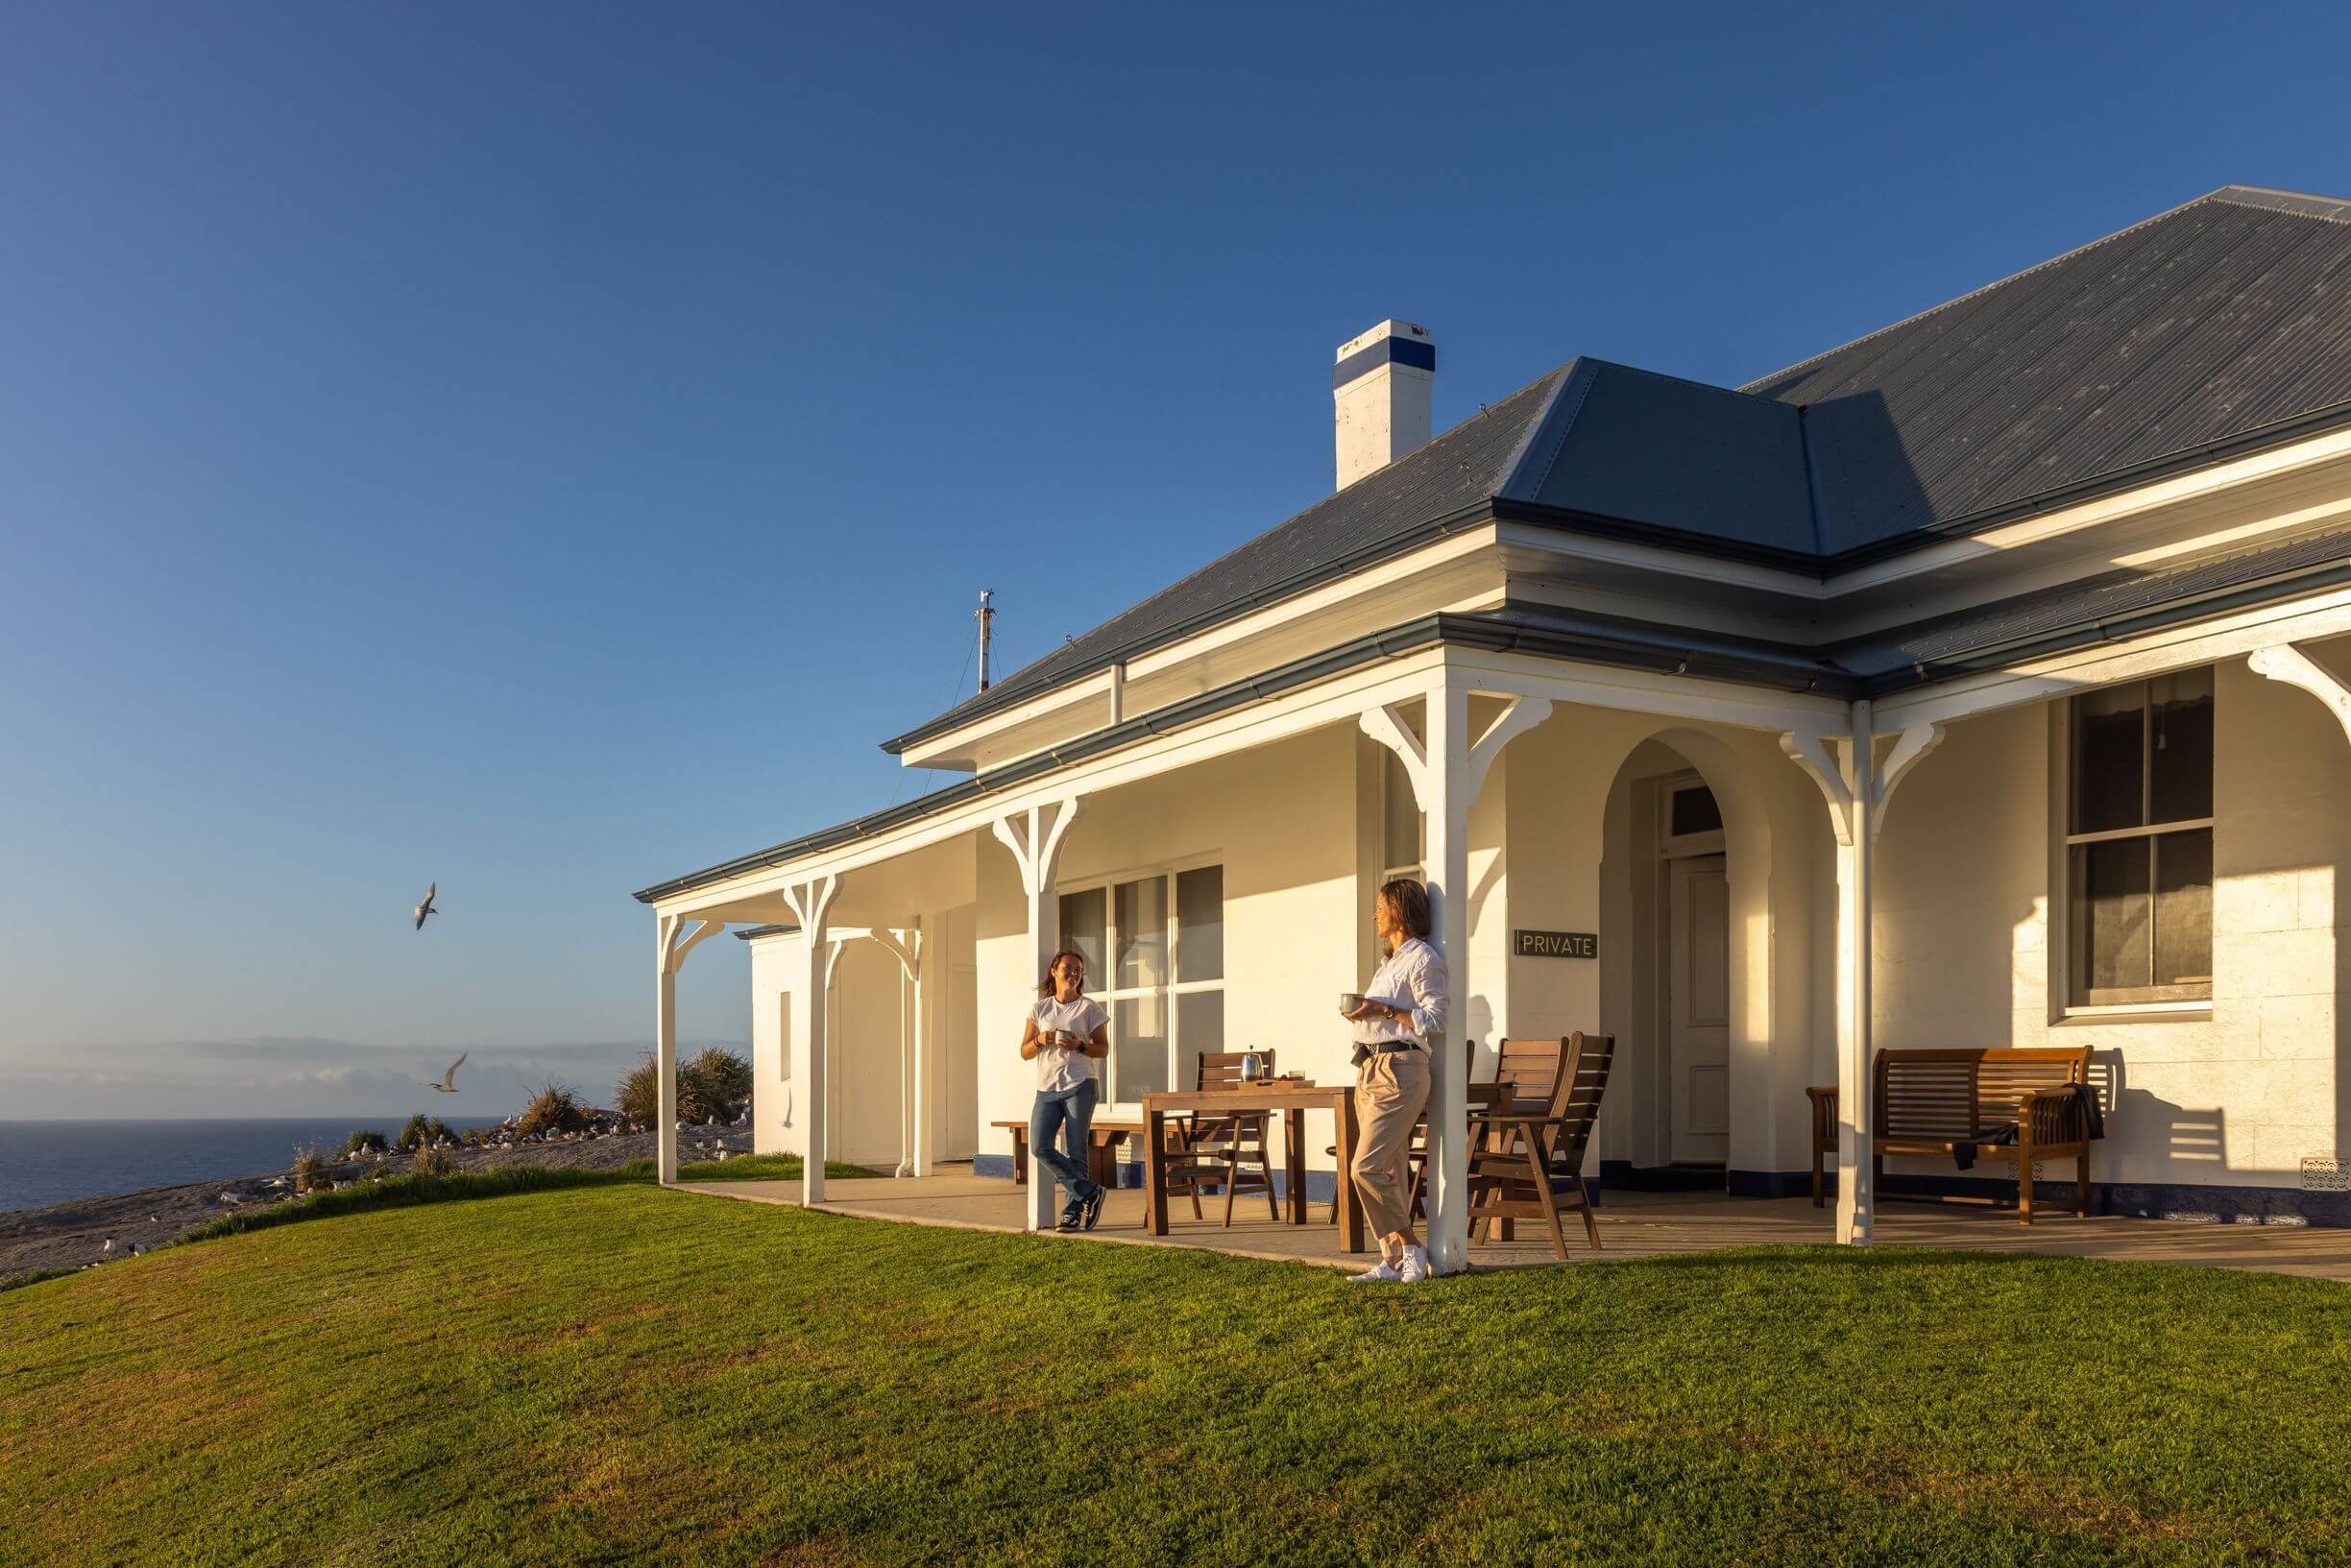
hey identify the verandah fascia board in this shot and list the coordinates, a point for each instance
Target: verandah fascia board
(2154, 643)
(1687, 684)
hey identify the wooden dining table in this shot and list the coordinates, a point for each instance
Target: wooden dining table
(1292, 1098)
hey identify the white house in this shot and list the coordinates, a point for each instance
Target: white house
(1978, 683)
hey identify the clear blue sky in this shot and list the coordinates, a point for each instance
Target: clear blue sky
(545, 447)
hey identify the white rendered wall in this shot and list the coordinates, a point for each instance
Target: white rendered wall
(775, 1122)
(2236, 1097)
(865, 1050)
(1283, 822)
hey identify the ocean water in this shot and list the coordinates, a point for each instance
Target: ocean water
(55, 1162)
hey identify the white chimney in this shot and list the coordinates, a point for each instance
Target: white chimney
(1381, 395)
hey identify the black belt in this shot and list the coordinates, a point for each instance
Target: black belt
(1382, 1048)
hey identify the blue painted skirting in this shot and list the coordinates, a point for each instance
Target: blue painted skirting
(2148, 1200)
(2223, 1205)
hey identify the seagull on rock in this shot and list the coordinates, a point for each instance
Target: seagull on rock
(448, 1080)
(427, 907)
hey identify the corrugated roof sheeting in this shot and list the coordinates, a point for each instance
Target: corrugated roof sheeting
(2208, 322)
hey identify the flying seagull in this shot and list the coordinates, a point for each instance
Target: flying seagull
(448, 1080)
(427, 907)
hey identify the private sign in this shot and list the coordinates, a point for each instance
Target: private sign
(1555, 944)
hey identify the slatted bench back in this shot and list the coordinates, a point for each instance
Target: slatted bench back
(1952, 1095)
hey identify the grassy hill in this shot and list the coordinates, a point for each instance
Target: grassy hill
(622, 1374)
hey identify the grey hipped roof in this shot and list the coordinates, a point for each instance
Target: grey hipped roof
(2226, 316)
(2215, 326)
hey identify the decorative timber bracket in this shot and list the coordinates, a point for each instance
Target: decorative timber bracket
(1812, 750)
(1387, 726)
(2290, 663)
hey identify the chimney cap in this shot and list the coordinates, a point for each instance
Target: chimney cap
(1390, 328)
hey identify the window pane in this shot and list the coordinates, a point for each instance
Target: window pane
(1142, 933)
(2107, 759)
(1199, 923)
(2180, 746)
(1694, 811)
(1081, 927)
(2110, 916)
(1138, 1048)
(2183, 908)
(1200, 1026)
(1400, 832)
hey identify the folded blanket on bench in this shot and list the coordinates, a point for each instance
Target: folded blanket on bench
(2005, 1132)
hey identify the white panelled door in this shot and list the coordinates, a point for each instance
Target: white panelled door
(1698, 926)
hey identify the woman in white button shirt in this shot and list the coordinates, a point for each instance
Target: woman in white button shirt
(1066, 1032)
(1401, 1018)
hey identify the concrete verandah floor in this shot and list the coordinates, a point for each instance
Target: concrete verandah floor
(1632, 1225)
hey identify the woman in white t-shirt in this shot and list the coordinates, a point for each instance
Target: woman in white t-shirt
(1066, 1034)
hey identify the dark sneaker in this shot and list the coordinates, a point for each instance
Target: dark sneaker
(1069, 1217)
(1092, 1208)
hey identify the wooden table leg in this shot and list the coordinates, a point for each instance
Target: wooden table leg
(1294, 1160)
(1020, 1157)
(1350, 1211)
(1097, 1158)
(1154, 1172)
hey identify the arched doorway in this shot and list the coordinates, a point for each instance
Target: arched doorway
(1669, 993)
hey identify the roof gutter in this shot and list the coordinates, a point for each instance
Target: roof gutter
(2091, 634)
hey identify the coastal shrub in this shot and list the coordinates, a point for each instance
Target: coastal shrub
(310, 1172)
(365, 1141)
(421, 1129)
(637, 1096)
(434, 1161)
(711, 1085)
(554, 1108)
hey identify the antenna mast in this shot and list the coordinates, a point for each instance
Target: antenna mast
(985, 616)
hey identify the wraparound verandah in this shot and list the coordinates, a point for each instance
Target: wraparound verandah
(1449, 714)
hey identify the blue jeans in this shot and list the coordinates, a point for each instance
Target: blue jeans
(1073, 1109)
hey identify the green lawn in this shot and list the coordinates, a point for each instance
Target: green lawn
(619, 1374)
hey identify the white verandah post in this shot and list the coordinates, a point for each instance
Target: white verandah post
(1447, 770)
(1034, 836)
(1447, 808)
(811, 901)
(1857, 785)
(672, 943)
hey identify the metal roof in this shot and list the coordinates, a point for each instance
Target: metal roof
(2112, 604)
(2218, 325)
(2212, 320)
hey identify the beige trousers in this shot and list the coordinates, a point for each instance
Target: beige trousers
(1391, 1088)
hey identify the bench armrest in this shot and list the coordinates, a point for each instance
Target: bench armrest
(2053, 1116)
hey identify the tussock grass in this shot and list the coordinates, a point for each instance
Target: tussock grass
(622, 1374)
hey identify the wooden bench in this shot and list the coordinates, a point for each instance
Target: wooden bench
(1932, 1102)
(1103, 1139)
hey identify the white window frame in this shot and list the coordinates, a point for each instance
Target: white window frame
(1673, 846)
(1390, 766)
(2171, 999)
(1171, 987)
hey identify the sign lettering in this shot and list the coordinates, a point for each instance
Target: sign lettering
(1555, 944)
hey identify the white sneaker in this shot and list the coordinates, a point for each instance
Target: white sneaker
(1415, 1266)
(1383, 1271)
